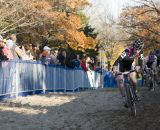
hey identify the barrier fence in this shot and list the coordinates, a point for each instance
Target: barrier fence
(28, 77)
(19, 78)
(110, 80)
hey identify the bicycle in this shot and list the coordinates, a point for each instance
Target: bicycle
(130, 93)
(149, 78)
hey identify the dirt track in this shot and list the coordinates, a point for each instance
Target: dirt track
(91, 110)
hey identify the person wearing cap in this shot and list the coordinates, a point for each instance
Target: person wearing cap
(45, 56)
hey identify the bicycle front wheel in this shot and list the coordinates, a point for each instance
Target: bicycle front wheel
(131, 100)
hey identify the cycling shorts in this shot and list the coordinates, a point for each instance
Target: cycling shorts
(125, 65)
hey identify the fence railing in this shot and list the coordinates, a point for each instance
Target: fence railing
(27, 77)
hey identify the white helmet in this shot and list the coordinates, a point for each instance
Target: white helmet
(46, 48)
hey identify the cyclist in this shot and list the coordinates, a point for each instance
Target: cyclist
(157, 53)
(131, 59)
(151, 62)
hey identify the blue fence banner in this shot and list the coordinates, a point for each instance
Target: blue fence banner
(110, 81)
(19, 78)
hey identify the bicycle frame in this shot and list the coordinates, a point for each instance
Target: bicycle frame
(130, 94)
(150, 78)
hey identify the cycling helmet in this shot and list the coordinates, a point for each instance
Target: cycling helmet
(138, 44)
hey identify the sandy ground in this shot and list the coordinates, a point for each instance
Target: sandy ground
(90, 110)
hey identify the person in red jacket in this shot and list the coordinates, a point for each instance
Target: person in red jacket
(83, 64)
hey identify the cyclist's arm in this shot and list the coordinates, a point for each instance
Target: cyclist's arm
(141, 61)
(121, 57)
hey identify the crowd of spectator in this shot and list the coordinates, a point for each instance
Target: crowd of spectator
(11, 50)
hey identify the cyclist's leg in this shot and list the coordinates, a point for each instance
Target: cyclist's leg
(133, 81)
(149, 75)
(144, 77)
(120, 84)
(154, 73)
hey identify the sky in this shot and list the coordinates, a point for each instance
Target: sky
(112, 7)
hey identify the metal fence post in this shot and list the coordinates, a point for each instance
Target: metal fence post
(17, 78)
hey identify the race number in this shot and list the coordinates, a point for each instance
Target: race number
(123, 55)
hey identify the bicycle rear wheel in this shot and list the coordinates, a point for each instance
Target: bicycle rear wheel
(131, 100)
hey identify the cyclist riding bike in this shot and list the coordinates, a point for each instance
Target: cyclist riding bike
(151, 68)
(151, 60)
(131, 60)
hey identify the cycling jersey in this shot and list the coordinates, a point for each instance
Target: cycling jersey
(127, 58)
(150, 60)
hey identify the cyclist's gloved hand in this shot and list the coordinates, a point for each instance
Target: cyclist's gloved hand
(114, 70)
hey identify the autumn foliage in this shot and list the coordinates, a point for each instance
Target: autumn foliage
(54, 20)
(143, 22)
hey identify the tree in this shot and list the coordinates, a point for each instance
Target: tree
(23, 13)
(49, 20)
(143, 22)
(89, 31)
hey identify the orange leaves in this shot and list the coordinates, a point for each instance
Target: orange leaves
(41, 5)
(48, 18)
(142, 22)
(77, 3)
(73, 37)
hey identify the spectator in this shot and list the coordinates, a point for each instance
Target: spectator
(70, 60)
(16, 51)
(45, 56)
(54, 55)
(2, 56)
(62, 57)
(7, 52)
(13, 37)
(31, 52)
(36, 51)
(29, 49)
(98, 68)
(76, 62)
(26, 53)
(83, 64)
(90, 63)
